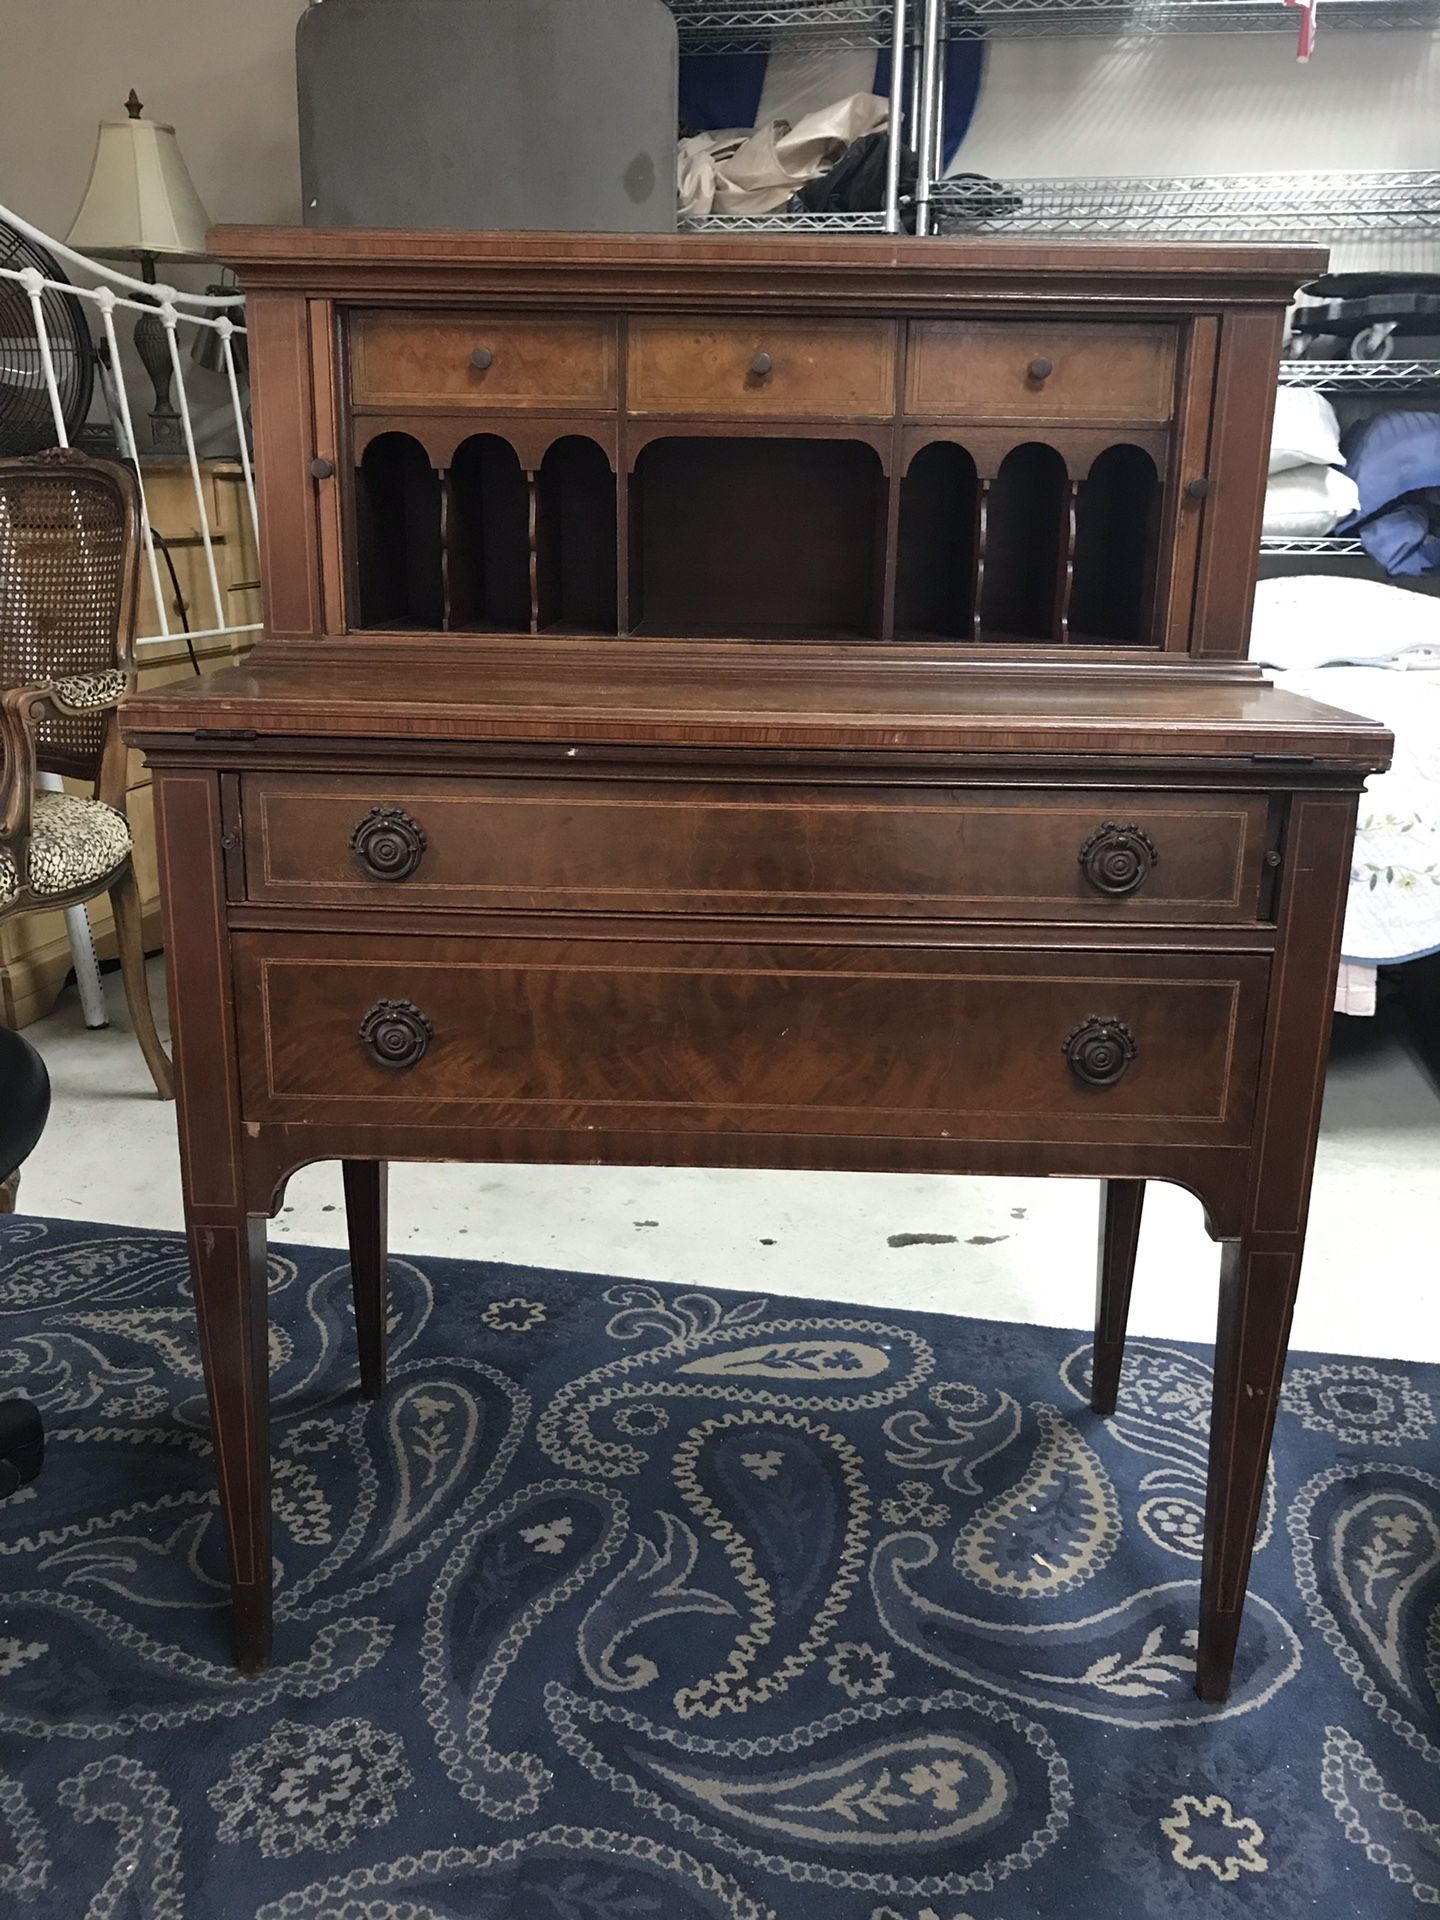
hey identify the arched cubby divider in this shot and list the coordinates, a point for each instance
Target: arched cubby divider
(936, 561)
(398, 536)
(757, 537)
(576, 553)
(1116, 525)
(487, 538)
(1026, 547)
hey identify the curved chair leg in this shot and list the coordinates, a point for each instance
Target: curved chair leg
(125, 899)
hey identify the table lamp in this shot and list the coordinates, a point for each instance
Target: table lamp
(141, 204)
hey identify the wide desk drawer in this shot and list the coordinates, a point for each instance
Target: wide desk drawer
(400, 360)
(687, 847)
(674, 1034)
(1055, 370)
(810, 369)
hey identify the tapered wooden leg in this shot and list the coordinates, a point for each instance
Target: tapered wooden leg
(1257, 1301)
(1260, 1265)
(125, 901)
(365, 1220)
(227, 1257)
(9, 1193)
(1120, 1205)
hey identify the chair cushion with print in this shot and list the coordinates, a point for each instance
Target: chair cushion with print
(74, 843)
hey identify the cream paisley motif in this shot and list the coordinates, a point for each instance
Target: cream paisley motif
(949, 1793)
(1365, 1540)
(653, 1586)
(1164, 1415)
(146, 1874)
(1385, 1546)
(1395, 1836)
(1055, 1528)
(739, 1683)
(829, 1365)
(24, 1862)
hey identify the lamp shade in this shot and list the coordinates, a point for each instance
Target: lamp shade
(141, 198)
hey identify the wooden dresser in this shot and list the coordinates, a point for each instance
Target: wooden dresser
(756, 703)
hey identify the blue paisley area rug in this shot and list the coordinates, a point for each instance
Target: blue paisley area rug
(631, 1602)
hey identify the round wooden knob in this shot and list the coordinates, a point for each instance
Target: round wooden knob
(394, 1033)
(321, 468)
(762, 364)
(1117, 859)
(1041, 368)
(1099, 1051)
(482, 358)
(388, 843)
(1198, 488)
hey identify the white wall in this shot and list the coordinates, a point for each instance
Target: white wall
(222, 72)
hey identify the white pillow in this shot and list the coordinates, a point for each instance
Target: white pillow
(1309, 500)
(1306, 432)
(1320, 619)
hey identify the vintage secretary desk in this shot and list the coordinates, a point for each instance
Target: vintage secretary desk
(753, 702)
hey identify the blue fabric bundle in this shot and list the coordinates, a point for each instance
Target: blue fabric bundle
(1394, 459)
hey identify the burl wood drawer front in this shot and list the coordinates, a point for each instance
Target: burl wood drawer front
(820, 369)
(652, 846)
(992, 371)
(481, 360)
(675, 1035)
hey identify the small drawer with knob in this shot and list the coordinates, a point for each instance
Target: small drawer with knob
(578, 842)
(1063, 372)
(506, 361)
(786, 369)
(668, 1035)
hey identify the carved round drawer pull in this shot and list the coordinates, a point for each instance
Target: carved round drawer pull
(482, 358)
(1099, 1052)
(762, 364)
(1118, 859)
(396, 1034)
(1041, 368)
(388, 844)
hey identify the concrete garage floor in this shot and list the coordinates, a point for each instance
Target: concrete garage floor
(1003, 1249)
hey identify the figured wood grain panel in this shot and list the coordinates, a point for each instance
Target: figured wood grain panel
(188, 833)
(325, 370)
(536, 360)
(730, 848)
(1234, 509)
(1184, 516)
(279, 346)
(827, 1039)
(981, 371)
(822, 369)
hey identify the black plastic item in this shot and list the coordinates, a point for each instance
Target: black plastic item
(24, 1099)
(1406, 305)
(856, 182)
(22, 1445)
(27, 424)
(1356, 286)
(973, 200)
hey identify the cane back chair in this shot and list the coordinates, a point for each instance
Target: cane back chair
(69, 573)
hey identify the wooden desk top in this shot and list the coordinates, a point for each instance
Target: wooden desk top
(644, 694)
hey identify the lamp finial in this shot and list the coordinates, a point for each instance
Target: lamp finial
(134, 106)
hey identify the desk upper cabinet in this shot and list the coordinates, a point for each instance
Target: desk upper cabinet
(1002, 449)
